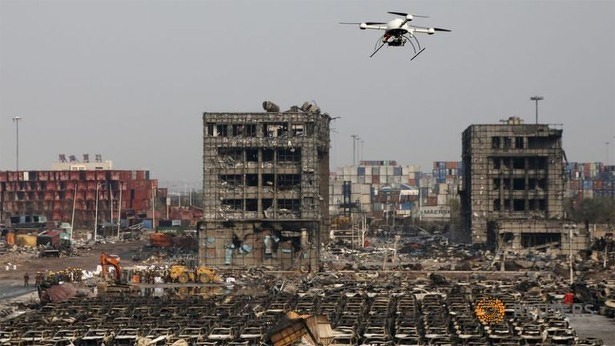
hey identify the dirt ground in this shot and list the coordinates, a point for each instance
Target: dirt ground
(27, 261)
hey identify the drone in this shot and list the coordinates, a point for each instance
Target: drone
(398, 32)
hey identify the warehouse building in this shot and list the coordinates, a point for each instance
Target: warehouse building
(265, 188)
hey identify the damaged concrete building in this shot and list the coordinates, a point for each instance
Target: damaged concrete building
(265, 188)
(513, 185)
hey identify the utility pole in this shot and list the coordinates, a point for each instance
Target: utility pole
(536, 99)
(16, 121)
(153, 208)
(354, 148)
(119, 211)
(96, 212)
(361, 151)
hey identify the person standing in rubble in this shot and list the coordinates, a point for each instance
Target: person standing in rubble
(26, 280)
(38, 278)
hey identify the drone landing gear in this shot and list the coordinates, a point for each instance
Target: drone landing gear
(417, 54)
(418, 44)
(377, 49)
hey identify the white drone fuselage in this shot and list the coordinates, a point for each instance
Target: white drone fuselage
(399, 31)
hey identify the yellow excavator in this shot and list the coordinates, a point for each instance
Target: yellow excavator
(182, 274)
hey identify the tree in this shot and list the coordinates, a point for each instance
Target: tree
(599, 210)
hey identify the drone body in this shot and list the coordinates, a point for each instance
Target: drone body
(398, 32)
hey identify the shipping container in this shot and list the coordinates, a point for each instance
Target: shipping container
(25, 240)
(587, 184)
(442, 199)
(406, 206)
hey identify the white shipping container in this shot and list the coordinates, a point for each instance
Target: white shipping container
(365, 199)
(386, 179)
(357, 188)
(390, 170)
(347, 171)
(442, 199)
(443, 188)
(366, 189)
(354, 179)
(407, 172)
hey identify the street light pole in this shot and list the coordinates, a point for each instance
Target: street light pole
(571, 228)
(358, 140)
(96, 212)
(354, 148)
(16, 120)
(361, 151)
(570, 255)
(153, 208)
(536, 99)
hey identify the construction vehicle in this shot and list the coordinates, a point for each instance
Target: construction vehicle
(183, 274)
(118, 286)
(114, 261)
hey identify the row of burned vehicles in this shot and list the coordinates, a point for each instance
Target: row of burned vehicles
(372, 312)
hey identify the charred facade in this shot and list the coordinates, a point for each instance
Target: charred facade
(513, 184)
(265, 188)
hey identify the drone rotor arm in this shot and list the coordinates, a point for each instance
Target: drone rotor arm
(429, 31)
(373, 26)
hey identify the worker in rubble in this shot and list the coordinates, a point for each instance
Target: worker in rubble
(38, 278)
(26, 280)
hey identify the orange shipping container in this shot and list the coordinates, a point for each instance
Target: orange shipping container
(25, 240)
(160, 240)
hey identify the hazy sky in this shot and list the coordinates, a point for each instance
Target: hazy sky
(131, 79)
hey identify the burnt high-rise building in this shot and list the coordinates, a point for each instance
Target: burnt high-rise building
(265, 188)
(513, 183)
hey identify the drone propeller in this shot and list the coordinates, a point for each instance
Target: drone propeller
(366, 23)
(406, 14)
(441, 29)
